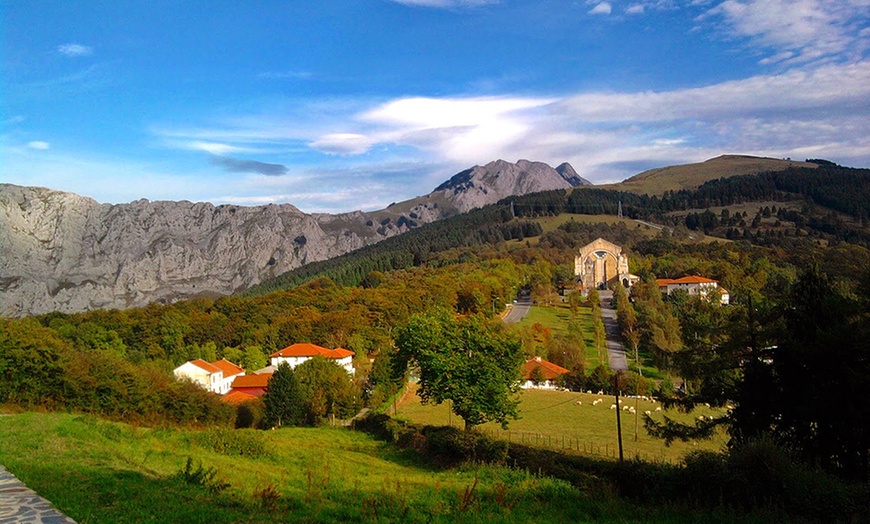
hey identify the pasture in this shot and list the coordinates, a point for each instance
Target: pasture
(574, 422)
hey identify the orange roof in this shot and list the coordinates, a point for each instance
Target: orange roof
(236, 396)
(694, 279)
(312, 350)
(202, 364)
(251, 381)
(228, 367)
(549, 371)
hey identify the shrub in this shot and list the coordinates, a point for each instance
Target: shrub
(231, 442)
(203, 477)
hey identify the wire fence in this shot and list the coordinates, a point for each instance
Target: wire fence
(567, 443)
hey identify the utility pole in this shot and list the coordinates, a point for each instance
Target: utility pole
(620, 209)
(513, 214)
(618, 409)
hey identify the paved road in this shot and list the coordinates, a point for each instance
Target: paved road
(21, 505)
(518, 311)
(615, 349)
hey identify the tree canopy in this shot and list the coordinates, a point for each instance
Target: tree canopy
(471, 362)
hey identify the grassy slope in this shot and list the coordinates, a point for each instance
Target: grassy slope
(554, 415)
(103, 472)
(672, 178)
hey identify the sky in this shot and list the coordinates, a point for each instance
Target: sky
(338, 105)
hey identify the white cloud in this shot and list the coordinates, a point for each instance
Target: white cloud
(799, 31)
(342, 143)
(603, 8)
(38, 144)
(635, 9)
(447, 3)
(73, 49)
(215, 148)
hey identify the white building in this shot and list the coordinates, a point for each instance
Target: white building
(299, 353)
(216, 377)
(694, 286)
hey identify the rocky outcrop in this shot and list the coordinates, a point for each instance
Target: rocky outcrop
(64, 252)
(482, 185)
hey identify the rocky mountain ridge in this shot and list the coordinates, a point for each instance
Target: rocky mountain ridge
(64, 252)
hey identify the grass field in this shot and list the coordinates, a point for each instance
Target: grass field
(103, 472)
(553, 419)
(556, 319)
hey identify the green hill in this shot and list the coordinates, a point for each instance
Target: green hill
(690, 176)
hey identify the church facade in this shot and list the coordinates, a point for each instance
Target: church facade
(601, 264)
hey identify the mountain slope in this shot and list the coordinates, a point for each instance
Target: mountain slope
(690, 176)
(64, 252)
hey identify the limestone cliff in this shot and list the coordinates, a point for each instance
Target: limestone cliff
(64, 252)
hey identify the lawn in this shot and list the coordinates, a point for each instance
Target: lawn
(104, 472)
(556, 319)
(554, 419)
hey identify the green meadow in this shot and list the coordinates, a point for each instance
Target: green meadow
(104, 472)
(572, 422)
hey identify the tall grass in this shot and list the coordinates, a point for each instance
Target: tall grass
(103, 472)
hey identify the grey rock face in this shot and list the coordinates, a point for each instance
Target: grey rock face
(482, 185)
(63, 252)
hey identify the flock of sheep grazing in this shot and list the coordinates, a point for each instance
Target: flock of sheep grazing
(626, 407)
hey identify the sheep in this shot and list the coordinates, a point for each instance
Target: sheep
(658, 408)
(600, 392)
(701, 418)
(579, 403)
(647, 412)
(626, 408)
(613, 406)
(596, 402)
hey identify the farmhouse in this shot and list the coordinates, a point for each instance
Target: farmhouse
(540, 374)
(694, 286)
(215, 377)
(299, 353)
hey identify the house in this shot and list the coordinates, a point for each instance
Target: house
(541, 374)
(247, 387)
(695, 286)
(230, 370)
(215, 377)
(299, 353)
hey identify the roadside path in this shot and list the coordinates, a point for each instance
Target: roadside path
(21, 505)
(518, 311)
(615, 349)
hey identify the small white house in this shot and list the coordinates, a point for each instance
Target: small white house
(694, 286)
(216, 377)
(299, 353)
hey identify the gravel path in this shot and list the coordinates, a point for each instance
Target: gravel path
(21, 505)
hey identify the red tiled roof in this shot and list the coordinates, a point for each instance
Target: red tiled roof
(237, 396)
(312, 350)
(202, 364)
(228, 367)
(251, 381)
(694, 279)
(549, 371)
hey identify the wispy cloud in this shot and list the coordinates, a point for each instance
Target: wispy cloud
(38, 144)
(798, 31)
(73, 49)
(602, 8)
(286, 75)
(237, 165)
(447, 3)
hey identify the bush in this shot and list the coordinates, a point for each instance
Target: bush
(240, 442)
(449, 445)
(251, 414)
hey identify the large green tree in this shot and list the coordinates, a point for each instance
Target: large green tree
(470, 361)
(284, 400)
(327, 390)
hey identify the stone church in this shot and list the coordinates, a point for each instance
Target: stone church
(601, 264)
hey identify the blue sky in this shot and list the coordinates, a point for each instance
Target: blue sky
(336, 105)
